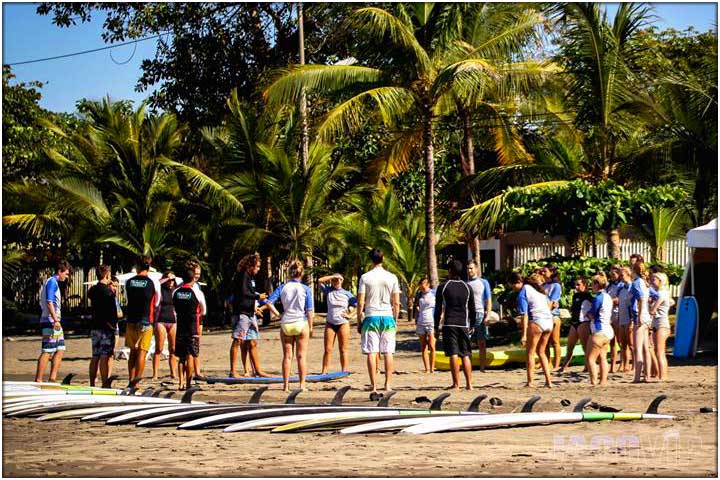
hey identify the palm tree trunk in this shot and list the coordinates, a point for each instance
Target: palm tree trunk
(410, 301)
(305, 138)
(467, 158)
(613, 243)
(430, 200)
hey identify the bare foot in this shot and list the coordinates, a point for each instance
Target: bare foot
(603, 384)
(469, 387)
(548, 385)
(453, 387)
(530, 385)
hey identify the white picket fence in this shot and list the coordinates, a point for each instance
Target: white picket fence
(676, 251)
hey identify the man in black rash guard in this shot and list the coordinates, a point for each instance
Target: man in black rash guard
(103, 325)
(189, 308)
(143, 297)
(455, 300)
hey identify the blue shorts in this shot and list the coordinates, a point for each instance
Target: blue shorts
(480, 330)
(244, 328)
(52, 340)
(103, 342)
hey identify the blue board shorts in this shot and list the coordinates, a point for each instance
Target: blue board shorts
(245, 328)
(377, 334)
(52, 340)
(480, 330)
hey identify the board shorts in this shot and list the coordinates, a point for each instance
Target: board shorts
(293, 329)
(377, 335)
(456, 341)
(421, 329)
(244, 327)
(480, 330)
(52, 340)
(185, 346)
(661, 322)
(138, 336)
(103, 342)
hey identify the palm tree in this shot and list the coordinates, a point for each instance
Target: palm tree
(409, 86)
(119, 184)
(597, 56)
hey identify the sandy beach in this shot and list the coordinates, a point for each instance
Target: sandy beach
(684, 447)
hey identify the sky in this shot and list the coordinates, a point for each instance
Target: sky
(28, 36)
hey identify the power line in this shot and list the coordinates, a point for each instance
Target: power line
(108, 47)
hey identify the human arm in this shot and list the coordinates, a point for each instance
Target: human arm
(522, 304)
(328, 278)
(50, 294)
(309, 307)
(487, 300)
(360, 304)
(395, 299)
(472, 312)
(437, 311)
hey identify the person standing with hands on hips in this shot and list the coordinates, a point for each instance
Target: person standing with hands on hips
(482, 295)
(377, 314)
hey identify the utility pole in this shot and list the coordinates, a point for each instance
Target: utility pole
(305, 137)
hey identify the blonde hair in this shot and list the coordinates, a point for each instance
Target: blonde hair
(663, 280)
(601, 280)
(295, 269)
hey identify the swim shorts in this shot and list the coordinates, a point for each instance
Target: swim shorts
(244, 328)
(138, 336)
(52, 340)
(377, 334)
(661, 322)
(185, 346)
(421, 329)
(480, 330)
(456, 341)
(293, 329)
(103, 342)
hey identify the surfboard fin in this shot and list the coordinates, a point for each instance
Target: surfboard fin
(68, 378)
(495, 401)
(386, 398)
(475, 404)
(148, 392)
(527, 408)
(290, 400)
(653, 407)
(339, 395)
(437, 403)
(158, 391)
(255, 398)
(110, 380)
(579, 406)
(169, 394)
(187, 396)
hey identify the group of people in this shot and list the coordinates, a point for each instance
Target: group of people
(630, 308)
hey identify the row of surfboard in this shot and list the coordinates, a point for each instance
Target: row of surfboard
(155, 408)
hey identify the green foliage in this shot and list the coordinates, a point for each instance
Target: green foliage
(571, 268)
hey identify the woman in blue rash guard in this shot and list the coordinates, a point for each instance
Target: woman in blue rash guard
(640, 314)
(553, 290)
(340, 305)
(537, 322)
(600, 316)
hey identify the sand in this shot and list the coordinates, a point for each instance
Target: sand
(684, 447)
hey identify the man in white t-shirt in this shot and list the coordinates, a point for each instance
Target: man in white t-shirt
(377, 313)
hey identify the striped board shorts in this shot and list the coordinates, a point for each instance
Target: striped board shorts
(378, 335)
(52, 340)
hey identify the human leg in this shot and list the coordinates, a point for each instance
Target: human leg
(234, 349)
(532, 343)
(424, 352)
(571, 342)
(41, 366)
(343, 335)
(555, 340)
(301, 342)
(544, 360)
(329, 343)
(661, 335)
(172, 359)
(93, 369)
(287, 346)
(160, 335)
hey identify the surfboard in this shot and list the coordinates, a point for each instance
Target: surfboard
(86, 412)
(137, 416)
(49, 407)
(503, 358)
(234, 417)
(686, 327)
(381, 425)
(294, 379)
(338, 421)
(435, 425)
